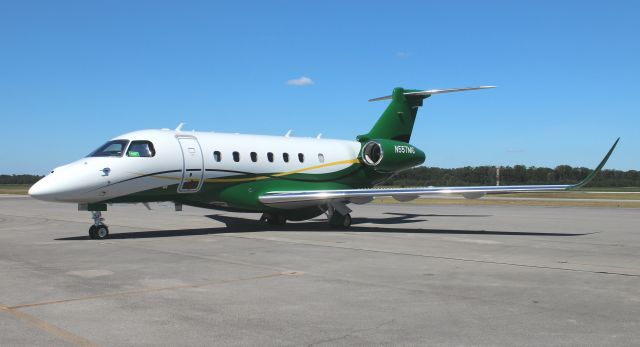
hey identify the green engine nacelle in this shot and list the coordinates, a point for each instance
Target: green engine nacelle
(390, 155)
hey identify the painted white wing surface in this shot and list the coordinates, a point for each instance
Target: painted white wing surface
(294, 199)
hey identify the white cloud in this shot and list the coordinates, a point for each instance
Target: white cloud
(302, 81)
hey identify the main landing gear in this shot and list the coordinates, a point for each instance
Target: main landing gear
(337, 212)
(339, 215)
(98, 230)
(273, 219)
(338, 221)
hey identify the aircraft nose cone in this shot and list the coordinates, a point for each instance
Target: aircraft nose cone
(41, 190)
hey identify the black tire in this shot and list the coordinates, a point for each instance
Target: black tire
(99, 232)
(346, 222)
(277, 220)
(339, 221)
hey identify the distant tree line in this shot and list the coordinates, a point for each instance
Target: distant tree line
(19, 179)
(518, 174)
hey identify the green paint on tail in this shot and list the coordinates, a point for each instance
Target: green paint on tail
(396, 122)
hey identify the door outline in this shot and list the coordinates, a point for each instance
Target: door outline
(183, 149)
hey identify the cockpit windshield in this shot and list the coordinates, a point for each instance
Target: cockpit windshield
(113, 148)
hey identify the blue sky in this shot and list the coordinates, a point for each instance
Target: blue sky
(74, 74)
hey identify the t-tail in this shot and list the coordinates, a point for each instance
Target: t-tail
(396, 122)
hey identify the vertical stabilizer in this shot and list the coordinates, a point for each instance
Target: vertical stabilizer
(396, 122)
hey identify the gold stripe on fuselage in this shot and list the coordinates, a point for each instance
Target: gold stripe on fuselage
(258, 178)
(281, 174)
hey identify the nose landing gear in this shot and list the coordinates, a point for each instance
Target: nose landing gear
(98, 230)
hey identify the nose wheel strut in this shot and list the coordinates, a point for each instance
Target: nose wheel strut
(98, 230)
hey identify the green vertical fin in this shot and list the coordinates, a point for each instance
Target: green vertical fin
(396, 122)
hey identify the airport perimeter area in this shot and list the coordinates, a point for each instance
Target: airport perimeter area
(402, 275)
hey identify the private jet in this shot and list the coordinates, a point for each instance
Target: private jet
(282, 177)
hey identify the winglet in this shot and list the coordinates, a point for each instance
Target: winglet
(593, 174)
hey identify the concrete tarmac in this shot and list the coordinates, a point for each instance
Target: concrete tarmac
(402, 275)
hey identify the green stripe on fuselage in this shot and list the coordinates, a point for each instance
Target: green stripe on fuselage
(244, 195)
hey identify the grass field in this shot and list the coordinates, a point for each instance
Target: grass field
(613, 195)
(20, 189)
(610, 189)
(517, 202)
(588, 197)
(592, 197)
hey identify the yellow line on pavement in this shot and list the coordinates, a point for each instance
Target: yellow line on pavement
(49, 328)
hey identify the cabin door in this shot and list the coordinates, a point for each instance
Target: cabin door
(192, 165)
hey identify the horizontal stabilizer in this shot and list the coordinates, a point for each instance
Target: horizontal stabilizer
(434, 91)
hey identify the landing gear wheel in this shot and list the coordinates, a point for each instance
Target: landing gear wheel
(273, 219)
(98, 232)
(339, 221)
(346, 222)
(277, 220)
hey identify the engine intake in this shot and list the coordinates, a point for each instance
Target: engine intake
(389, 155)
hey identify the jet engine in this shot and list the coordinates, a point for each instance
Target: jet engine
(389, 155)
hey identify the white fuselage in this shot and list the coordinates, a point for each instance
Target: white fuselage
(182, 156)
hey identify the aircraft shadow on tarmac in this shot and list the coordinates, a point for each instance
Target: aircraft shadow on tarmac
(243, 225)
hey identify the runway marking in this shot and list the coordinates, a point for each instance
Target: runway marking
(49, 328)
(149, 290)
(434, 256)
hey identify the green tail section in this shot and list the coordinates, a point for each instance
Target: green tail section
(396, 123)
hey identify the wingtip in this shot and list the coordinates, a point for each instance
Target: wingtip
(597, 170)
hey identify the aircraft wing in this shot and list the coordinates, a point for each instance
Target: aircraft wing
(294, 199)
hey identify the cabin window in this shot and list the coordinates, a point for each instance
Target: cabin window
(141, 149)
(217, 156)
(321, 157)
(254, 157)
(113, 148)
(270, 157)
(301, 157)
(285, 157)
(236, 157)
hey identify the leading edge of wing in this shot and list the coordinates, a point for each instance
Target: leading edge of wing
(285, 197)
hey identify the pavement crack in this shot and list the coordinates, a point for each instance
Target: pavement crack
(357, 331)
(440, 257)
